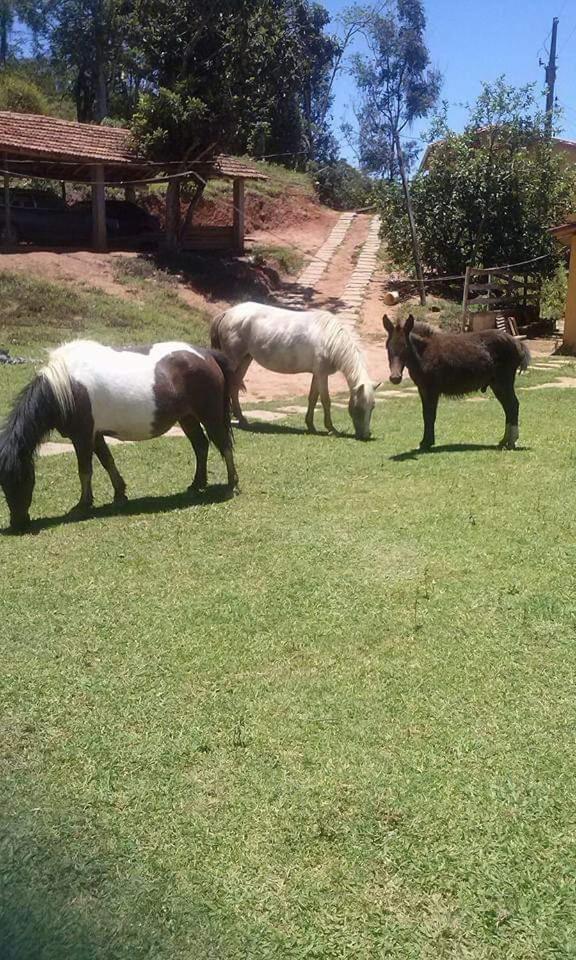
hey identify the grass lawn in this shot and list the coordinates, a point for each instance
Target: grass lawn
(331, 718)
(36, 313)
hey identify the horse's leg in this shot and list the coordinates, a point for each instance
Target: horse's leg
(107, 460)
(506, 396)
(429, 407)
(197, 438)
(312, 401)
(239, 375)
(325, 399)
(221, 437)
(84, 447)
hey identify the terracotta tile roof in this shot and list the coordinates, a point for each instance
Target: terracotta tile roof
(63, 139)
(233, 167)
(35, 136)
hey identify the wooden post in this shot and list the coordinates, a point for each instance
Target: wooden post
(99, 232)
(239, 215)
(7, 235)
(130, 193)
(172, 231)
(63, 190)
(570, 314)
(465, 296)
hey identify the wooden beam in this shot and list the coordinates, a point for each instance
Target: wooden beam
(239, 210)
(99, 232)
(7, 235)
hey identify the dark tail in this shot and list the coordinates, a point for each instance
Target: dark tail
(34, 414)
(228, 374)
(524, 355)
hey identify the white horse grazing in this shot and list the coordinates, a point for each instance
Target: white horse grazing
(291, 341)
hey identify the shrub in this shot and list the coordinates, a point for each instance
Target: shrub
(21, 96)
(341, 186)
(488, 195)
(554, 290)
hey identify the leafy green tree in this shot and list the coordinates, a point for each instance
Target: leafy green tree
(342, 186)
(486, 196)
(397, 86)
(257, 72)
(86, 41)
(396, 83)
(10, 12)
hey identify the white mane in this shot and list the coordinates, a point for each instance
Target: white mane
(342, 349)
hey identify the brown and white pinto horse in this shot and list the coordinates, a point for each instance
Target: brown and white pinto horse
(88, 391)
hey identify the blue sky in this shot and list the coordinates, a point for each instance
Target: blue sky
(472, 41)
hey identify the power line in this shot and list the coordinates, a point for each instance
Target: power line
(568, 38)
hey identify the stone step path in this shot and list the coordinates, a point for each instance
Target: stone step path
(297, 299)
(357, 286)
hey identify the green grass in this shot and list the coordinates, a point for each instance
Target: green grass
(288, 260)
(445, 313)
(280, 180)
(35, 313)
(330, 718)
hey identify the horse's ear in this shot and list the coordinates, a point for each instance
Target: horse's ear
(409, 325)
(387, 324)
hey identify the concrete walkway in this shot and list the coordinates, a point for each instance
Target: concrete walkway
(298, 297)
(355, 289)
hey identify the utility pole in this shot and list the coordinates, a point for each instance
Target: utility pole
(550, 71)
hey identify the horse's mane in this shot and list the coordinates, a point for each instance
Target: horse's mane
(33, 415)
(422, 329)
(342, 348)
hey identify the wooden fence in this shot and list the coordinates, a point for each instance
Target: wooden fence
(500, 289)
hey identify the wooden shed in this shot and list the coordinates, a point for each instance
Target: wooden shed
(39, 146)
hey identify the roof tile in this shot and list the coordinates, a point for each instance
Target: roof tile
(37, 136)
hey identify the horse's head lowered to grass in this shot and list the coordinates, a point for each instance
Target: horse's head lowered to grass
(34, 414)
(361, 407)
(18, 487)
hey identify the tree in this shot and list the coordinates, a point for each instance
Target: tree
(397, 86)
(20, 95)
(86, 41)
(272, 61)
(10, 11)
(251, 77)
(487, 196)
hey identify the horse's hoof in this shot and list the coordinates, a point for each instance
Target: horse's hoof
(197, 486)
(81, 511)
(120, 499)
(311, 428)
(241, 423)
(426, 447)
